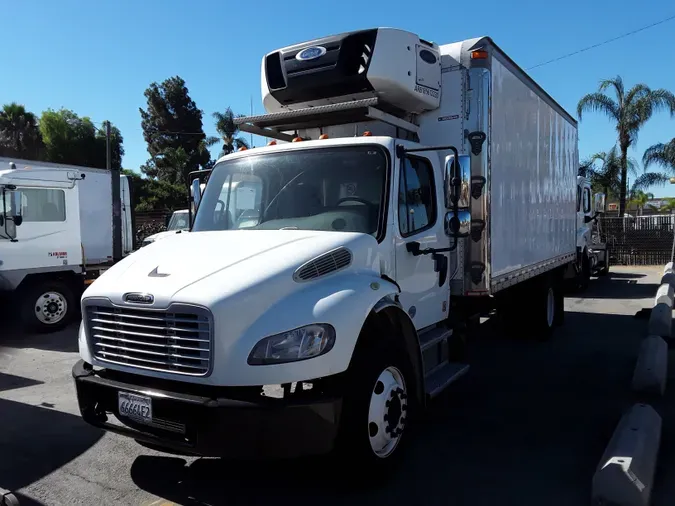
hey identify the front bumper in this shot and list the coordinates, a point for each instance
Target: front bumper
(205, 423)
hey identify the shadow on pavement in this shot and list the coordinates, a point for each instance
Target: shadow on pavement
(64, 340)
(623, 287)
(626, 275)
(10, 382)
(36, 441)
(526, 426)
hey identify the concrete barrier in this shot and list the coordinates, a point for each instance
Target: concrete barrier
(660, 321)
(651, 368)
(668, 278)
(665, 294)
(625, 474)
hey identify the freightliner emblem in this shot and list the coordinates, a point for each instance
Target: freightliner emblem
(139, 298)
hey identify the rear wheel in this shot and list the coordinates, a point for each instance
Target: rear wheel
(47, 306)
(376, 409)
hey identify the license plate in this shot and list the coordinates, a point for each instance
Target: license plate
(137, 407)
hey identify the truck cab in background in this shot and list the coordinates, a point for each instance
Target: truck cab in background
(55, 236)
(592, 248)
(179, 221)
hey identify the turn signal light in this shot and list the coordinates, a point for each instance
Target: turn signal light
(479, 55)
(297, 139)
(272, 143)
(323, 136)
(367, 133)
(243, 148)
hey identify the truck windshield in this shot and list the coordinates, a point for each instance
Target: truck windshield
(178, 221)
(331, 189)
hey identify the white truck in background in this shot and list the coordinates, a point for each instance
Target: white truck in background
(593, 250)
(56, 236)
(409, 188)
(178, 222)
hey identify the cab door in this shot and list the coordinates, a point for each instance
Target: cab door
(419, 212)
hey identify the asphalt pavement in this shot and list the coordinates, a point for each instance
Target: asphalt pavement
(526, 426)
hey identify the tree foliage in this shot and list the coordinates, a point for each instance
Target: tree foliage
(19, 133)
(172, 127)
(662, 155)
(75, 140)
(150, 194)
(228, 131)
(630, 110)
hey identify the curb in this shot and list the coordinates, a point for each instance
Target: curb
(651, 368)
(660, 321)
(625, 474)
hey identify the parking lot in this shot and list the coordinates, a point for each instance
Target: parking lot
(526, 426)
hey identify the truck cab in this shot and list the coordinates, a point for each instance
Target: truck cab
(591, 246)
(46, 249)
(339, 266)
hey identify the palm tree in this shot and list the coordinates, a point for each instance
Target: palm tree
(661, 154)
(630, 111)
(19, 132)
(228, 131)
(639, 199)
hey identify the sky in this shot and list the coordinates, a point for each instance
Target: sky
(97, 58)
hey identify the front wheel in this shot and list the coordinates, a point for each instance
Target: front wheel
(47, 306)
(605, 268)
(377, 407)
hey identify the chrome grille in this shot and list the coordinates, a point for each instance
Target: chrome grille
(178, 340)
(324, 264)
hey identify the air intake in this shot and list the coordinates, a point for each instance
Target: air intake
(327, 263)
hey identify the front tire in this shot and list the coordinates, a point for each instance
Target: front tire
(585, 274)
(376, 409)
(605, 268)
(47, 306)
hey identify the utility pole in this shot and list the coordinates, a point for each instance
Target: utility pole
(116, 198)
(251, 115)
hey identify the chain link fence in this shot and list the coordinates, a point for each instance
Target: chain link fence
(639, 240)
(148, 223)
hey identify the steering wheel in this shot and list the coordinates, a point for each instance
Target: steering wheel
(355, 199)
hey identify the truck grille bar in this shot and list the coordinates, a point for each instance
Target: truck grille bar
(178, 340)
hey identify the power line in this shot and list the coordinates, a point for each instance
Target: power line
(604, 42)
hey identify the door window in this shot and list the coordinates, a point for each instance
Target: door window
(43, 205)
(416, 197)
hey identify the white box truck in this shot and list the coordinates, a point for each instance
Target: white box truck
(56, 236)
(408, 187)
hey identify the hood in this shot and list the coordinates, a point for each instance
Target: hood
(210, 266)
(161, 235)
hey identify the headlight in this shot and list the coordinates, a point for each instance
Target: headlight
(300, 344)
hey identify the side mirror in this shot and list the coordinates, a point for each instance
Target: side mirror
(17, 208)
(11, 212)
(457, 190)
(458, 226)
(196, 193)
(599, 202)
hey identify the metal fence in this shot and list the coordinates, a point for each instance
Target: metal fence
(640, 240)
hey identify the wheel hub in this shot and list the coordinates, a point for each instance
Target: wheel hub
(51, 308)
(387, 412)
